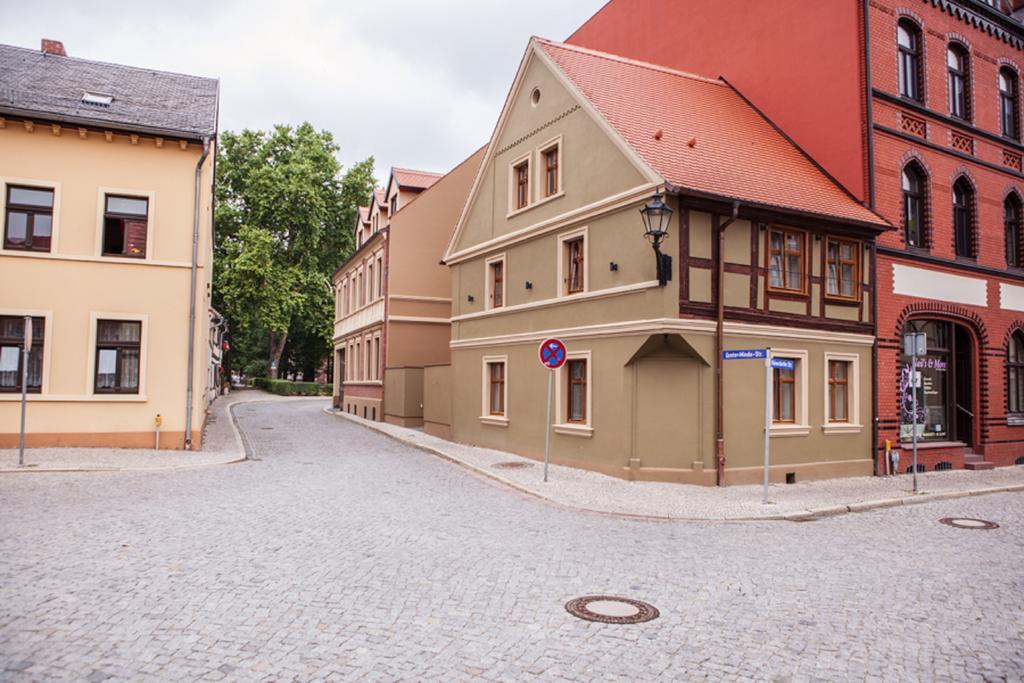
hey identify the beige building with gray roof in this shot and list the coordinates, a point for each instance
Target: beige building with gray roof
(106, 191)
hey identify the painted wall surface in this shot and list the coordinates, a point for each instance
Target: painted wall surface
(798, 61)
(593, 168)
(651, 416)
(73, 285)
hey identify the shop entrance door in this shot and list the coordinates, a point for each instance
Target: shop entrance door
(945, 397)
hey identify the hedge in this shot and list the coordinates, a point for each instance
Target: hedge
(283, 387)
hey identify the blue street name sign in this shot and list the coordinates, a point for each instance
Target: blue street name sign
(783, 363)
(744, 354)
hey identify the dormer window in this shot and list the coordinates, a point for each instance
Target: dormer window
(394, 204)
(97, 100)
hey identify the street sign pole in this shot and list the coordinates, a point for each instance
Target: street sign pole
(767, 419)
(552, 354)
(914, 345)
(547, 425)
(26, 348)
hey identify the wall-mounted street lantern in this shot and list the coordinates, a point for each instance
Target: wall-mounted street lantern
(657, 215)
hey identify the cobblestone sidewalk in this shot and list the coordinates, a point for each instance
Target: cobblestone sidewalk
(583, 490)
(221, 445)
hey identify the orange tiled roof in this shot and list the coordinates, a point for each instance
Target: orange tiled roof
(378, 195)
(364, 214)
(735, 153)
(416, 180)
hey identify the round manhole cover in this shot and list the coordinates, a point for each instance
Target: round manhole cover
(513, 465)
(609, 609)
(968, 523)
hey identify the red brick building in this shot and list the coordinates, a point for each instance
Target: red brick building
(915, 107)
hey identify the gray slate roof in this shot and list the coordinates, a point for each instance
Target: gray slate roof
(50, 87)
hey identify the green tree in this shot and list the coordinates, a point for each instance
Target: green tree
(284, 217)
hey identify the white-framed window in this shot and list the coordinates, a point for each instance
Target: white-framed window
(549, 170)
(494, 391)
(377, 369)
(841, 401)
(789, 395)
(30, 211)
(380, 275)
(125, 223)
(497, 277)
(574, 391)
(117, 355)
(573, 262)
(368, 359)
(520, 191)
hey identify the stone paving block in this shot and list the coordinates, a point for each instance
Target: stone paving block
(381, 562)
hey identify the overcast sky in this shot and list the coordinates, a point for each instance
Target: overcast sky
(416, 84)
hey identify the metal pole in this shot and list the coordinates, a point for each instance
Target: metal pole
(547, 426)
(767, 418)
(24, 386)
(913, 393)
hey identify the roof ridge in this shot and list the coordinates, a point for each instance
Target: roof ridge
(413, 170)
(633, 62)
(103, 63)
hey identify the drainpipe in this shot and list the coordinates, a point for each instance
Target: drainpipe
(192, 297)
(719, 344)
(874, 360)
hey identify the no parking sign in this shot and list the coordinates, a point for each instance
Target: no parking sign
(552, 353)
(552, 356)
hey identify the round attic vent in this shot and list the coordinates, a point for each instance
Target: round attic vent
(535, 97)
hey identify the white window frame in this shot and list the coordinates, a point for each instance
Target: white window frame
(541, 175)
(101, 210)
(853, 425)
(90, 378)
(801, 423)
(562, 270)
(513, 210)
(54, 224)
(47, 317)
(377, 357)
(489, 281)
(485, 393)
(562, 424)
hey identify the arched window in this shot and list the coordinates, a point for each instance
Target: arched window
(1015, 374)
(1009, 113)
(963, 212)
(958, 66)
(913, 205)
(908, 40)
(1011, 228)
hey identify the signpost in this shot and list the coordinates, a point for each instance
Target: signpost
(552, 356)
(769, 364)
(914, 344)
(26, 348)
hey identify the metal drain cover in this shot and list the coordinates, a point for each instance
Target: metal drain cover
(968, 523)
(512, 465)
(609, 609)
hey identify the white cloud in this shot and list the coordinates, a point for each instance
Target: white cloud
(413, 83)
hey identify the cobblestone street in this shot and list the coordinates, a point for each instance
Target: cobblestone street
(340, 554)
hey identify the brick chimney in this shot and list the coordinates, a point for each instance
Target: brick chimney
(54, 47)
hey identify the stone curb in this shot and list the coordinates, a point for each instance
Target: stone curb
(802, 516)
(240, 440)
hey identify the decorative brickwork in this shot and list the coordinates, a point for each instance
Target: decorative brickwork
(913, 125)
(961, 143)
(1013, 160)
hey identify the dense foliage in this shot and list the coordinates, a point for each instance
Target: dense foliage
(284, 218)
(285, 388)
